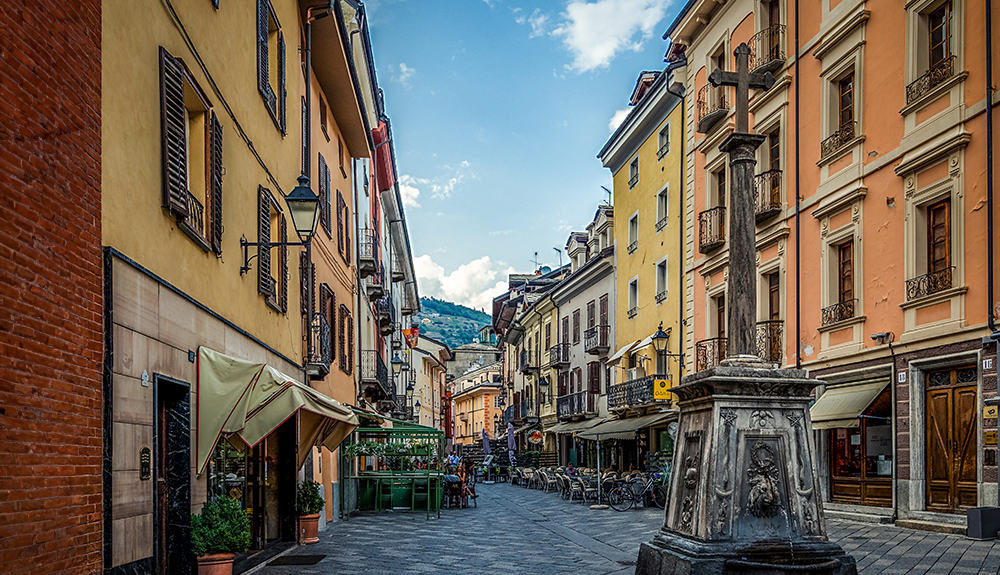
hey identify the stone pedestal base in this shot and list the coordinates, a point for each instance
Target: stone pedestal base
(673, 554)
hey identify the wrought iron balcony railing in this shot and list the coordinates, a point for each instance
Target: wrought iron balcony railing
(527, 362)
(509, 414)
(931, 79)
(632, 246)
(767, 195)
(374, 370)
(559, 354)
(318, 363)
(838, 312)
(713, 105)
(769, 340)
(595, 340)
(660, 296)
(634, 393)
(709, 352)
(632, 312)
(928, 284)
(633, 181)
(367, 253)
(580, 403)
(711, 229)
(662, 223)
(375, 283)
(196, 214)
(767, 49)
(837, 140)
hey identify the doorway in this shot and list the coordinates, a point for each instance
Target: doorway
(172, 475)
(951, 439)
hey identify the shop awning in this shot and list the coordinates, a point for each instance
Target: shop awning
(625, 428)
(525, 428)
(573, 426)
(841, 406)
(614, 359)
(249, 400)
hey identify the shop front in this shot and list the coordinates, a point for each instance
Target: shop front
(856, 419)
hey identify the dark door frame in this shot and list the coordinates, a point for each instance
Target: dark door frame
(179, 522)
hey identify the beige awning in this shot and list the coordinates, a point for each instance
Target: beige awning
(625, 428)
(250, 400)
(614, 359)
(841, 406)
(573, 426)
(524, 428)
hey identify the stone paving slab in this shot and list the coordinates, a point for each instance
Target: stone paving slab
(516, 531)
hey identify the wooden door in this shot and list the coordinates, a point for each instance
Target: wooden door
(951, 440)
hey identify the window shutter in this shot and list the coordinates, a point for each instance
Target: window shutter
(341, 324)
(283, 276)
(324, 299)
(173, 120)
(347, 234)
(594, 376)
(264, 281)
(324, 194)
(331, 316)
(350, 347)
(263, 84)
(304, 274)
(282, 93)
(565, 330)
(340, 223)
(216, 168)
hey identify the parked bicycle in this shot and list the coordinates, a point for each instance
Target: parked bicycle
(634, 492)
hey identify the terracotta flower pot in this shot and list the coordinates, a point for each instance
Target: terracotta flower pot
(309, 528)
(216, 564)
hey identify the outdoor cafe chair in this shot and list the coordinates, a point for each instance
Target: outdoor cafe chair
(575, 488)
(586, 490)
(549, 481)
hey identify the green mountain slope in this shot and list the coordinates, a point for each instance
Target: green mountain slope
(451, 323)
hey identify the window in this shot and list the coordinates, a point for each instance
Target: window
(662, 208)
(576, 326)
(191, 144)
(591, 313)
(939, 24)
(720, 316)
(939, 237)
(343, 227)
(845, 91)
(565, 330)
(603, 310)
(271, 228)
(548, 335)
(271, 79)
(563, 383)
(774, 149)
(845, 273)
(325, 209)
(594, 377)
(663, 141)
(773, 296)
(345, 331)
(661, 280)
(633, 173)
(328, 309)
(340, 155)
(633, 233)
(578, 379)
(322, 118)
(720, 187)
(633, 298)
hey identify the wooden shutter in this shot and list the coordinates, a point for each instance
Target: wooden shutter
(562, 383)
(216, 173)
(324, 194)
(591, 315)
(341, 328)
(576, 326)
(283, 255)
(173, 122)
(282, 93)
(347, 233)
(548, 335)
(594, 377)
(604, 310)
(331, 319)
(263, 82)
(565, 329)
(264, 237)
(340, 223)
(350, 344)
(939, 236)
(845, 265)
(304, 275)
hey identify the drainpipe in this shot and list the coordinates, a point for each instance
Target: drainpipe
(682, 62)
(895, 423)
(989, 170)
(798, 291)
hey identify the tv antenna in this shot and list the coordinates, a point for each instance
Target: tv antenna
(559, 251)
(535, 261)
(608, 192)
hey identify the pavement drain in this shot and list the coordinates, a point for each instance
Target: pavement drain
(297, 560)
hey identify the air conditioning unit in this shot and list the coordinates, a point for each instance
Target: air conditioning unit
(630, 374)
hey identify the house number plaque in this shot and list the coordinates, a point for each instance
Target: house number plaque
(145, 470)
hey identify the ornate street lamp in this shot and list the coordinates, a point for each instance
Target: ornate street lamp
(660, 339)
(397, 364)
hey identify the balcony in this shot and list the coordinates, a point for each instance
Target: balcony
(375, 283)
(711, 229)
(509, 414)
(633, 311)
(838, 312)
(375, 374)
(660, 296)
(367, 253)
(577, 404)
(767, 49)
(397, 271)
(528, 363)
(632, 246)
(769, 340)
(634, 393)
(928, 284)
(559, 355)
(767, 195)
(837, 140)
(196, 214)
(403, 409)
(633, 181)
(713, 105)
(385, 316)
(318, 364)
(709, 353)
(931, 79)
(595, 340)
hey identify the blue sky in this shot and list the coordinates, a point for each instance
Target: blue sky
(499, 109)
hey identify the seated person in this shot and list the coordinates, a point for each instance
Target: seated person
(570, 470)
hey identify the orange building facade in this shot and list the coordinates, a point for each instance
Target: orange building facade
(876, 279)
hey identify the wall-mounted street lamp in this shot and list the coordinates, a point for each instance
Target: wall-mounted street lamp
(398, 365)
(303, 207)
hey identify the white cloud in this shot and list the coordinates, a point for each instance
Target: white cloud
(501, 233)
(618, 118)
(595, 32)
(409, 191)
(443, 186)
(474, 284)
(405, 73)
(537, 21)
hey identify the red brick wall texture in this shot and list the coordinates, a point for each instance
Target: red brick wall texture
(51, 327)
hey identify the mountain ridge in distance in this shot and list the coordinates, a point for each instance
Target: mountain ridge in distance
(451, 323)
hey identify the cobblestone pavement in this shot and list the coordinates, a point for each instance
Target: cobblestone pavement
(516, 531)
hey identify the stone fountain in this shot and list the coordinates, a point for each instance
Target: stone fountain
(744, 495)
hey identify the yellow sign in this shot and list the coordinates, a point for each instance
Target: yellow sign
(990, 412)
(660, 389)
(990, 437)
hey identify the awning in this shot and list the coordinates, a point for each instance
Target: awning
(625, 428)
(614, 359)
(524, 427)
(573, 426)
(250, 400)
(841, 406)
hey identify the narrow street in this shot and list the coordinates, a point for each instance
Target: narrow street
(515, 531)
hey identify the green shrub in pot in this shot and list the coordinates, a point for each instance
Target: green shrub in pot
(223, 526)
(308, 501)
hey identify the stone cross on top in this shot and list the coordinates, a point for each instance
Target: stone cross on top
(741, 306)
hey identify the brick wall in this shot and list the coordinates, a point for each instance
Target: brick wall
(51, 326)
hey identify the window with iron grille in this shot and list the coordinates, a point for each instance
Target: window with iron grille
(328, 308)
(325, 207)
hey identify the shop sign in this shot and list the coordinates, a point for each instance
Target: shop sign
(990, 412)
(535, 436)
(990, 437)
(660, 387)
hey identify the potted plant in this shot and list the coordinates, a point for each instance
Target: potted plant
(309, 503)
(218, 533)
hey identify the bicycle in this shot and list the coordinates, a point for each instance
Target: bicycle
(623, 497)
